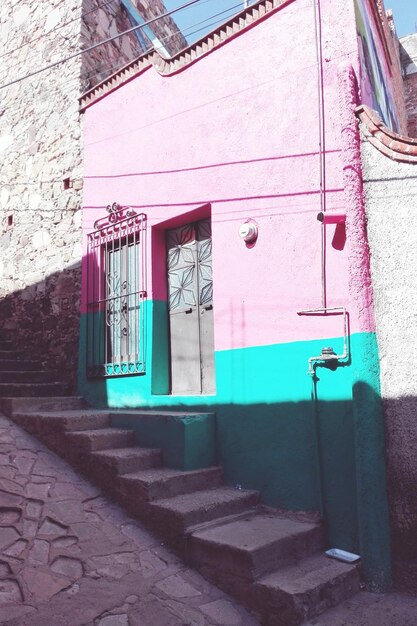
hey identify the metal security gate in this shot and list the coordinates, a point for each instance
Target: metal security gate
(116, 294)
(190, 286)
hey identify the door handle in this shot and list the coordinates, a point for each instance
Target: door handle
(187, 311)
(208, 307)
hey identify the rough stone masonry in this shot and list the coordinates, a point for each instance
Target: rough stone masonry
(41, 163)
(409, 67)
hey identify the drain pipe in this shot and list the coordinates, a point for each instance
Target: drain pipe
(322, 141)
(327, 354)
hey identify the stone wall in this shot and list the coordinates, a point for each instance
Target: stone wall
(40, 148)
(99, 23)
(393, 48)
(41, 164)
(390, 191)
(409, 66)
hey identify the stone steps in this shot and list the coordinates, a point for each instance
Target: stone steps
(17, 405)
(162, 482)
(71, 420)
(6, 344)
(123, 460)
(257, 544)
(26, 390)
(273, 564)
(26, 376)
(301, 592)
(18, 364)
(176, 514)
(100, 439)
(10, 355)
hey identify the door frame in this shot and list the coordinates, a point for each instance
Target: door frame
(159, 340)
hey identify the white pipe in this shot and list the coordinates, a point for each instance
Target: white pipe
(329, 357)
(322, 141)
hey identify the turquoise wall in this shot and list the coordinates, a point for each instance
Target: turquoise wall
(302, 443)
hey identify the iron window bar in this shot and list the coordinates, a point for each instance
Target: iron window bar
(116, 294)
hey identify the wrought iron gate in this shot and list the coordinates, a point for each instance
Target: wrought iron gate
(116, 294)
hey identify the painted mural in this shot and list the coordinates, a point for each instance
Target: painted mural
(375, 88)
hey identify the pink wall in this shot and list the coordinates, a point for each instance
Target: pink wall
(238, 129)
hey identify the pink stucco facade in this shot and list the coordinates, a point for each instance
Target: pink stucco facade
(234, 135)
(238, 129)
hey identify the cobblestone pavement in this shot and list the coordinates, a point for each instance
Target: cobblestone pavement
(71, 557)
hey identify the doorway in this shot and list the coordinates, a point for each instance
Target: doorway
(190, 306)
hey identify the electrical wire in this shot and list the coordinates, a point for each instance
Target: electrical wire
(96, 45)
(18, 65)
(284, 74)
(88, 75)
(58, 27)
(59, 90)
(76, 80)
(322, 141)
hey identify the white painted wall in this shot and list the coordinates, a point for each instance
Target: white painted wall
(391, 207)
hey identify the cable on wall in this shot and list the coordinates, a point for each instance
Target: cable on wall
(96, 45)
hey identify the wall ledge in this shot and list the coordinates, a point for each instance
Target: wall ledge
(241, 22)
(396, 147)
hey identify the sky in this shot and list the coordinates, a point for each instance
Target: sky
(212, 12)
(405, 15)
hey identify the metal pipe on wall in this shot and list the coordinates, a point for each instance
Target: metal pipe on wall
(322, 141)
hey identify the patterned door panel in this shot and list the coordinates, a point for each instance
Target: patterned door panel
(190, 292)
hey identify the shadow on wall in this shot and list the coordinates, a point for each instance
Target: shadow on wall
(325, 456)
(43, 320)
(401, 454)
(320, 454)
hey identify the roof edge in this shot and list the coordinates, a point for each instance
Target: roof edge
(236, 25)
(396, 147)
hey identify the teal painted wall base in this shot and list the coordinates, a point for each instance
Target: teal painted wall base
(187, 441)
(304, 444)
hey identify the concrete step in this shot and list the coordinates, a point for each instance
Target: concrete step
(63, 421)
(11, 354)
(175, 432)
(101, 439)
(13, 405)
(124, 460)
(252, 546)
(297, 593)
(174, 515)
(26, 376)
(37, 390)
(163, 482)
(6, 344)
(19, 364)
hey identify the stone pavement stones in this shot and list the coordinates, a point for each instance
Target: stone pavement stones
(177, 587)
(224, 610)
(114, 620)
(69, 557)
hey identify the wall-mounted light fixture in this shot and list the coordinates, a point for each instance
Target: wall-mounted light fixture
(248, 231)
(332, 217)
